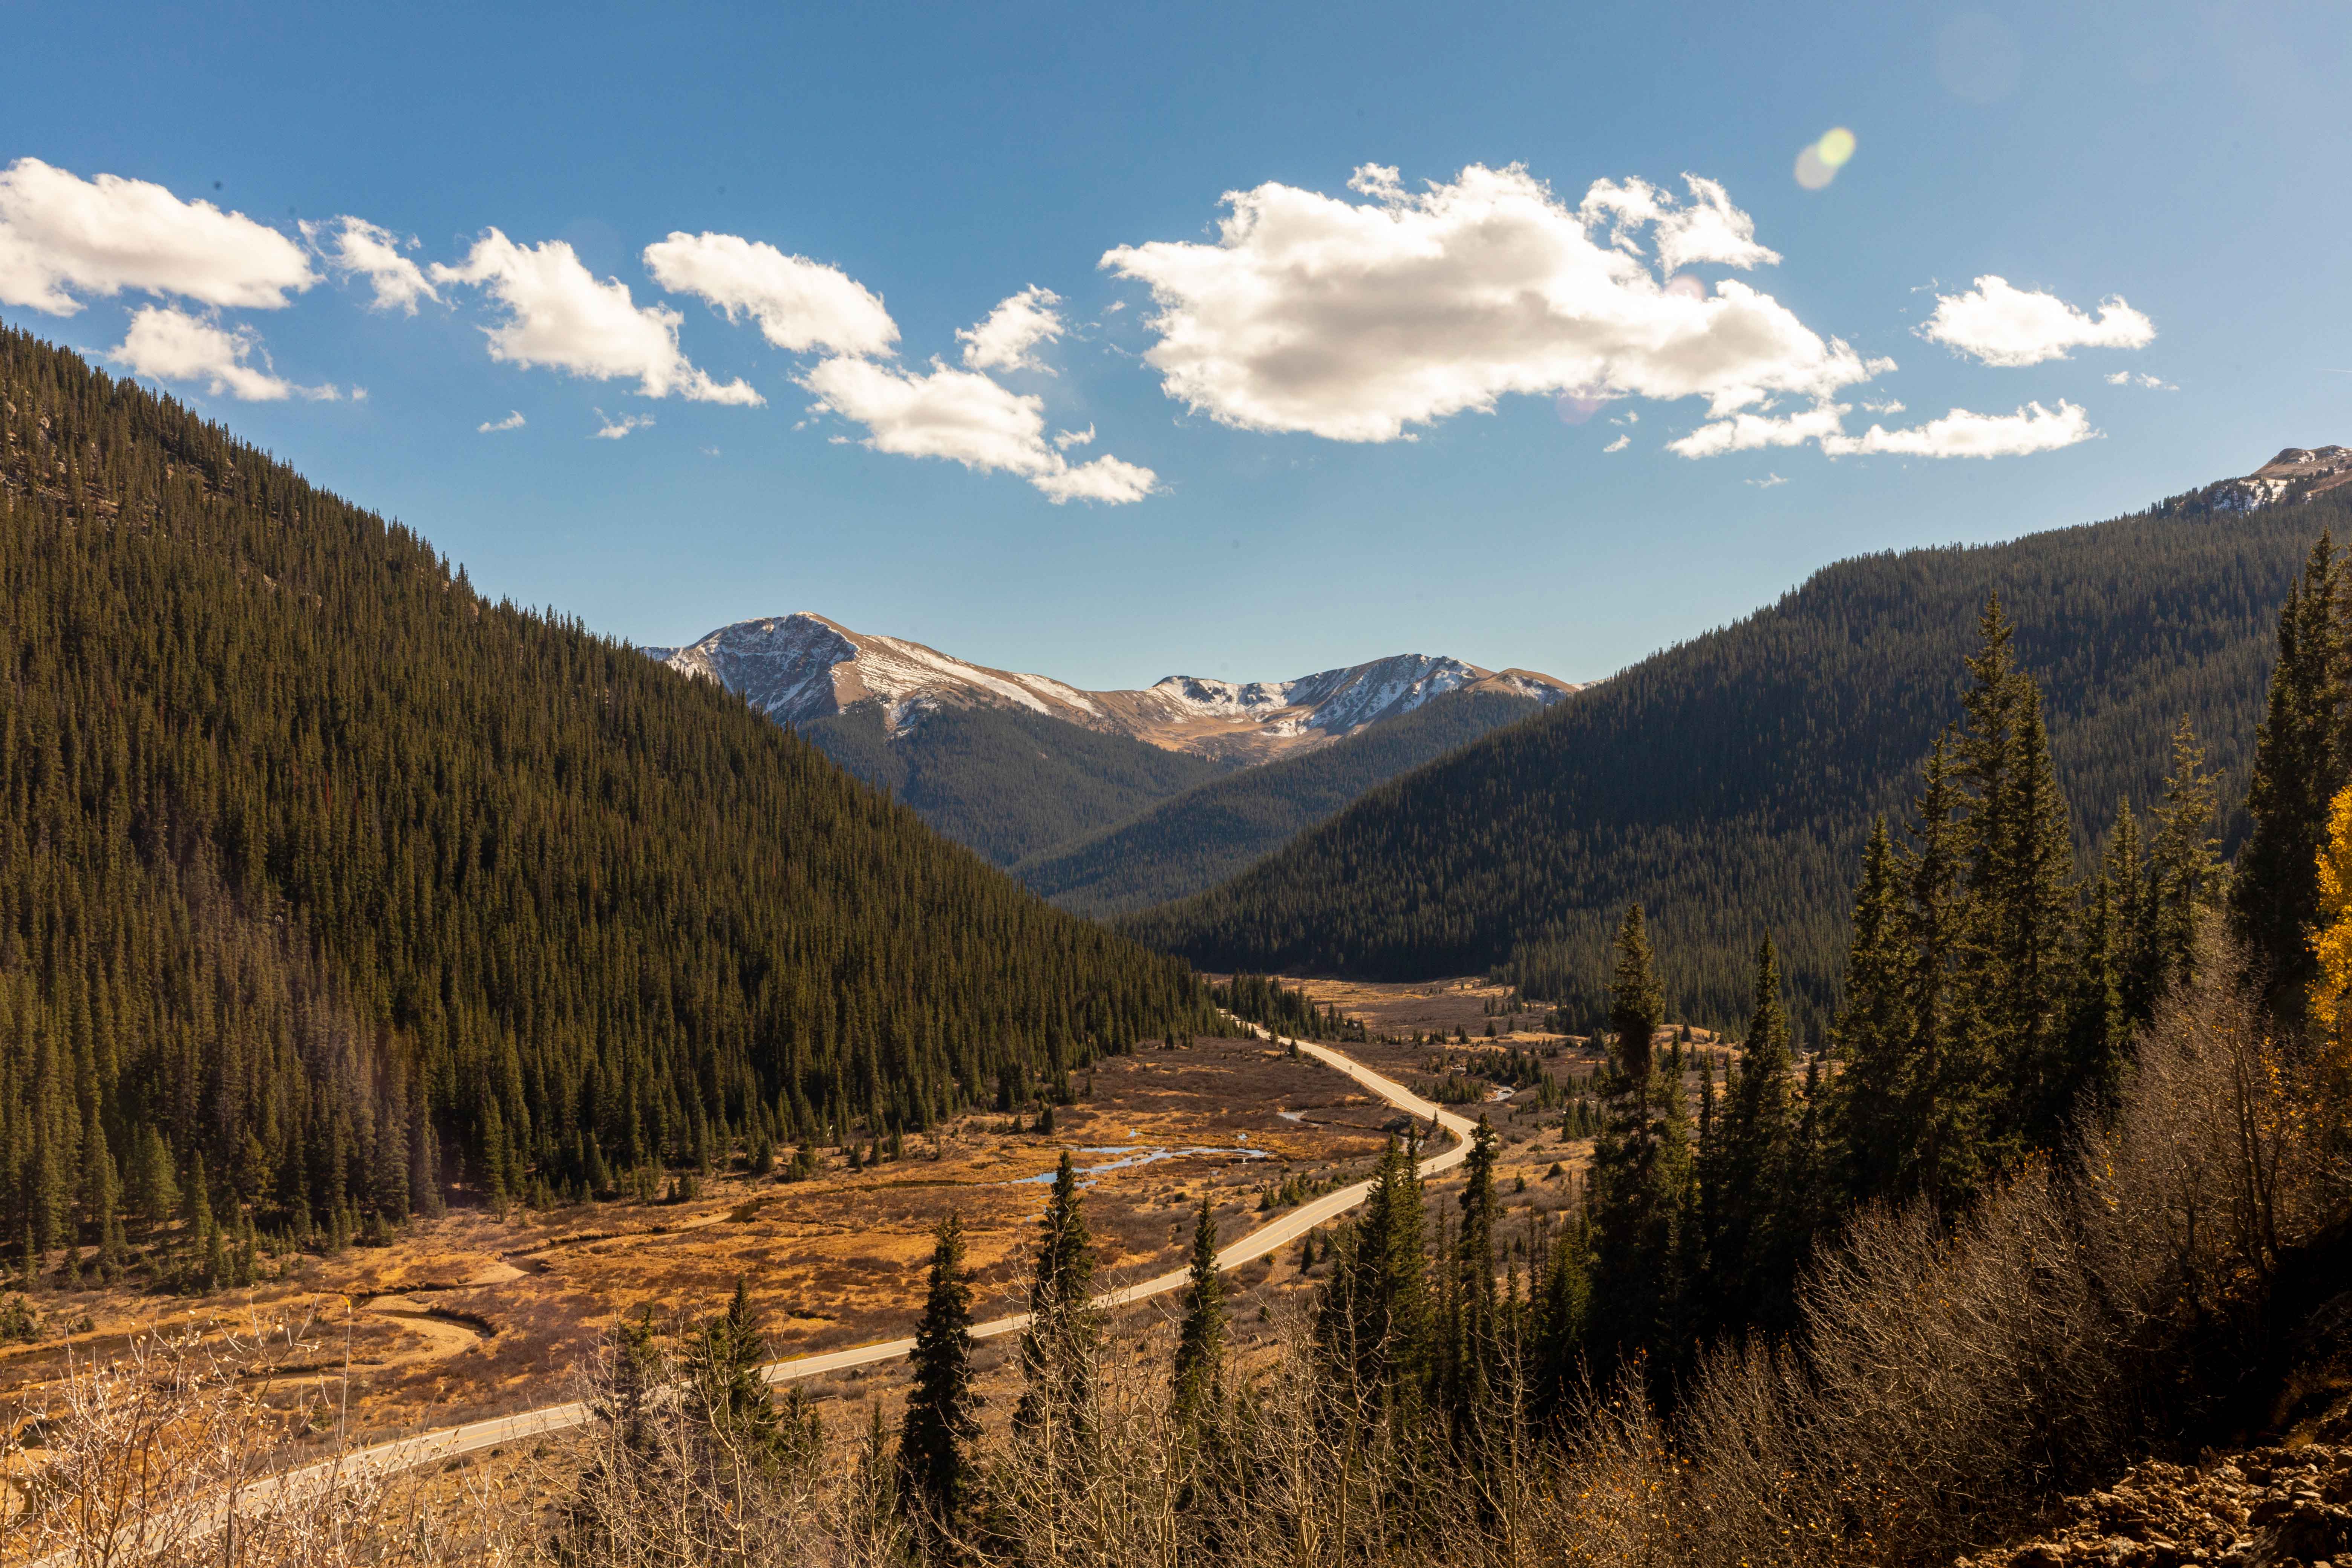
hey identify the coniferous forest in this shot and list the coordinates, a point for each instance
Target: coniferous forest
(1728, 783)
(326, 884)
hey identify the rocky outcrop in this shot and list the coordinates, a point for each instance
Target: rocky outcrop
(2267, 1508)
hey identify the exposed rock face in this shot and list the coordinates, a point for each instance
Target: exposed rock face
(2297, 474)
(804, 666)
(2269, 1507)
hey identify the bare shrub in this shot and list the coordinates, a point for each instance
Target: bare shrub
(163, 1456)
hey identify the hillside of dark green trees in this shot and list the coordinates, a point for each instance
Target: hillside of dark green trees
(325, 884)
(1215, 829)
(1727, 784)
(1007, 783)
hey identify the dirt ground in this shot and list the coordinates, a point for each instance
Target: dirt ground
(468, 1315)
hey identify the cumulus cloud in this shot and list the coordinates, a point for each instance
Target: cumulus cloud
(1958, 434)
(513, 421)
(2008, 326)
(611, 430)
(1356, 320)
(1016, 326)
(1709, 229)
(967, 418)
(1069, 438)
(62, 236)
(1961, 434)
(1619, 444)
(560, 316)
(172, 345)
(1766, 482)
(359, 248)
(800, 304)
(2142, 379)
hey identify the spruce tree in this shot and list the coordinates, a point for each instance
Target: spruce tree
(2300, 760)
(942, 1421)
(2185, 875)
(723, 1361)
(1476, 1342)
(1201, 1341)
(1057, 1348)
(1640, 1178)
(1749, 1258)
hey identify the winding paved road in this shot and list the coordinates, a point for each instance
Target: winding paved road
(406, 1453)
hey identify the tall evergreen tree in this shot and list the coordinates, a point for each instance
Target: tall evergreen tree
(1057, 1348)
(1201, 1341)
(942, 1423)
(1640, 1175)
(1476, 1342)
(2300, 760)
(1749, 1173)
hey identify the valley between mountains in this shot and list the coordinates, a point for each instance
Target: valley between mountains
(1892, 1056)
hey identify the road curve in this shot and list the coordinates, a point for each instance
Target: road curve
(407, 1453)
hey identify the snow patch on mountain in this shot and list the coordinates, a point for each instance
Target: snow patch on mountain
(801, 667)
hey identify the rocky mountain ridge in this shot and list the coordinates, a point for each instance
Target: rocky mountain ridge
(2297, 474)
(803, 667)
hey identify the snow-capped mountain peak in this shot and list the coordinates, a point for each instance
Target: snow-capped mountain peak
(804, 666)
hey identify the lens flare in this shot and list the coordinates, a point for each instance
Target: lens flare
(1819, 163)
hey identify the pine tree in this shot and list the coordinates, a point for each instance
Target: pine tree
(1749, 1260)
(1375, 1319)
(2185, 875)
(1055, 1420)
(1875, 1030)
(723, 1361)
(1201, 1341)
(1476, 1342)
(1057, 1349)
(2300, 759)
(1640, 1180)
(942, 1422)
(2012, 988)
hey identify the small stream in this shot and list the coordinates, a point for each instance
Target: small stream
(1131, 1156)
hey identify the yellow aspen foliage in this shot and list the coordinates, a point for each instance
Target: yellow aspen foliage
(2331, 993)
(2331, 998)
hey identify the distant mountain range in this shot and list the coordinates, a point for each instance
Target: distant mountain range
(1026, 768)
(1726, 784)
(801, 667)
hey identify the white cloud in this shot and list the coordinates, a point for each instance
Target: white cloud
(611, 430)
(2142, 379)
(1961, 434)
(1824, 421)
(172, 345)
(1890, 406)
(1766, 482)
(1619, 444)
(61, 234)
(800, 304)
(967, 418)
(359, 248)
(1069, 438)
(1709, 229)
(513, 421)
(560, 316)
(1355, 320)
(1016, 325)
(1958, 434)
(2007, 326)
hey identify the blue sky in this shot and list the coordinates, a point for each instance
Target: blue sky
(940, 161)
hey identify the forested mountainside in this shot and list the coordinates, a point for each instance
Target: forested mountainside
(324, 882)
(1215, 829)
(1007, 782)
(1727, 784)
